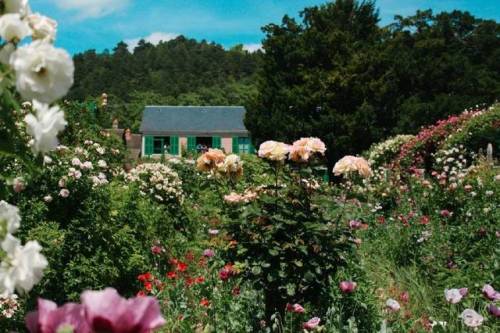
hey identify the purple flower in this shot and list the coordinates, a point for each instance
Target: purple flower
(491, 293)
(494, 310)
(355, 224)
(312, 323)
(347, 287)
(106, 311)
(209, 253)
(454, 296)
(50, 319)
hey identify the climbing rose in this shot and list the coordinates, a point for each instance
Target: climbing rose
(312, 323)
(23, 266)
(13, 29)
(471, 318)
(43, 27)
(44, 126)
(106, 311)
(10, 220)
(273, 150)
(43, 72)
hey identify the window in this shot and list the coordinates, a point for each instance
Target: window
(244, 145)
(161, 145)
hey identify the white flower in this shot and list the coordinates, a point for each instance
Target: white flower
(392, 305)
(102, 164)
(45, 126)
(453, 296)
(23, 266)
(64, 193)
(43, 72)
(87, 165)
(47, 198)
(6, 52)
(47, 159)
(43, 27)
(12, 28)
(9, 219)
(471, 318)
(16, 6)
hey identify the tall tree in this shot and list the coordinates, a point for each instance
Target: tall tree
(318, 78)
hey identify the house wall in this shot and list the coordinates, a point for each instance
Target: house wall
(227, 144)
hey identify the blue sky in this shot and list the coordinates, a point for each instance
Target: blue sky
(100, 24)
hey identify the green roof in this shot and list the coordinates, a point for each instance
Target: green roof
(193, 120)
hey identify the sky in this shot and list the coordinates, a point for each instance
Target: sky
(101, 24)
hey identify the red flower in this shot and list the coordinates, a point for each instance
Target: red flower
(205, 302)
(236, 291)
(145, 277)
(226, 272)
(171, 275)
(404, 297)
(148, 286)
(200, 279)
(425, 220)
(189, 281)
(181, 266)
(141, 294)
(381, 220)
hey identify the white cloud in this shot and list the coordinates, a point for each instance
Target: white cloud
(252, 47)
(91, 8)
(155, 38)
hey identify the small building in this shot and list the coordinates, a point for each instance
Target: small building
(176, 130)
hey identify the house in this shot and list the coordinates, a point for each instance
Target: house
(176, 130)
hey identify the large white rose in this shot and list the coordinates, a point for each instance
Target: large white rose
(43, 27)
(43, 72)
(273, 150)
(44, 126)
(9, 219)
(23, 266)
(13, 28)
(17, 7)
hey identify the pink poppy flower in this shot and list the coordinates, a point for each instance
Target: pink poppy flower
(49, 318)
(454, 296)
(490, 293)
(347, 287)
(209, 253)
(311, 323)
(295, 308)
(106, 311)
(494, 310)
(355, 224)
(445, 213)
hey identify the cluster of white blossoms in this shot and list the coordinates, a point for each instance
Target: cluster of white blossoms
(157, 180)
(22, 265)
(43, 73)
(383, 152)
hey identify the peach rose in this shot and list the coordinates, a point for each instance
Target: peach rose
(350, 164)
(210, 160)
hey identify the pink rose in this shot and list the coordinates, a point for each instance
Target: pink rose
(490, 293)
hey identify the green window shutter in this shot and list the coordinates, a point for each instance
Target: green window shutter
(216, 142)
(251, 148)
(174, 145)
(236, 145)
(191, 144)
(148, 145)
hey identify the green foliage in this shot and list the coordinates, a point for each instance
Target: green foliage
(287, 244)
